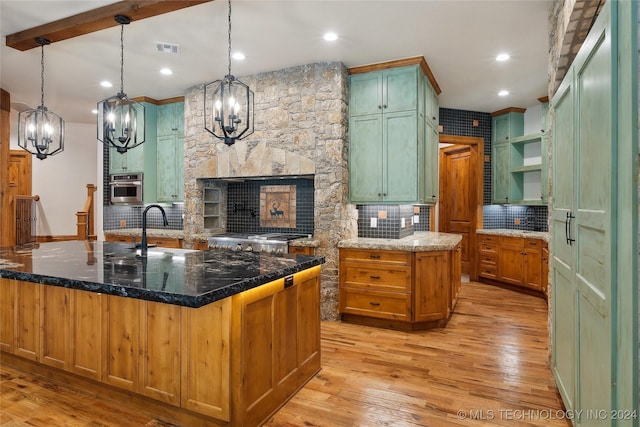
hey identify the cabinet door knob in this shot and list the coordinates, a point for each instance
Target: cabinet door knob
(380, 107)
(385, 105)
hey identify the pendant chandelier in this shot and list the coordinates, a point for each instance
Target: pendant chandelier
(120, 119)
(40, 130)
(228, 104)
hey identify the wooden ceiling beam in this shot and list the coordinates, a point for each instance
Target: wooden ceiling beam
(95, 20)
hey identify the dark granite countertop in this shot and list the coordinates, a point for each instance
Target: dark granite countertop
(174, 276)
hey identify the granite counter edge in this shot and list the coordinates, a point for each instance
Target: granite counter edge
(193, 301)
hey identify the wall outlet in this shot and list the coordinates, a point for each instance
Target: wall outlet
(123, 223)
(403, 222)
(374, 222)
(516, 221)
(416, 219)
(382, 214)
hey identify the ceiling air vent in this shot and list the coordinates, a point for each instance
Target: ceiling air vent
(167, 47)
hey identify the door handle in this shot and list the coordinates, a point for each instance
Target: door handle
(567, 228)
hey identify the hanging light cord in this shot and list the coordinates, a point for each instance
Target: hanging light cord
(121, 58)
(229, 34)
(42, 75)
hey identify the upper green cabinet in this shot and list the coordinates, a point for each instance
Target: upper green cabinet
(171, 118)
(383, 91)
(508, 125)
(170, 161)
(170, 168)
(391, 155)
(519, 162)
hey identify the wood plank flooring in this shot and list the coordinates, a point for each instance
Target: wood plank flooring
(488, 367)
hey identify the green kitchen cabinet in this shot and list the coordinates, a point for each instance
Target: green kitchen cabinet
(431, 183)
(170, 160)
(594, 323)
(387, 138)
(171, 119)
(170, 168)
(141, 158)
(528, 169)
(384, 91)
(131, 161)
(500, 156)
(507, 126)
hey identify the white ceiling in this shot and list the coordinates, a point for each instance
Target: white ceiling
(459, 40)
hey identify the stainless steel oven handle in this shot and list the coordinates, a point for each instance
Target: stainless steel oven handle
(125, 184)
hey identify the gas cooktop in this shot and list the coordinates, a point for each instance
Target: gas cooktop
(252, 242)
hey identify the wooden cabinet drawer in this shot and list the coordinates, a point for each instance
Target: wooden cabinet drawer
(392, 278)
(488, 270)
(384, 305)
(533, 244)
(120, 239)
(375, 256)
(164, 242)
(302, 250)
(488, 258)
(486, 238)
(489, 248)
(512, 241)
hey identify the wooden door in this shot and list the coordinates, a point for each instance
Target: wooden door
(564, 290)
(121, 340)
(587, 347)
(160, 351)
(20, 171)
(432, 292)
(27, 320)
(86, 333)
(7, 314)
(456, 212)
(594, 190)
(55, 319)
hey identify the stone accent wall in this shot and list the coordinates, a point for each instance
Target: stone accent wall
(301, 122)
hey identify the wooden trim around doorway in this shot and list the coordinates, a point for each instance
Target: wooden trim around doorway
(477, 175)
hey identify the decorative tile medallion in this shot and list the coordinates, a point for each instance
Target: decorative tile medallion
(278, 206)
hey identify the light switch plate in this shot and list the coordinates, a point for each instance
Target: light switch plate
(416, 219)
(403, 223)
(374, 222)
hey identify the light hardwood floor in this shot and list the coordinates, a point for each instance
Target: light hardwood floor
(489, 362)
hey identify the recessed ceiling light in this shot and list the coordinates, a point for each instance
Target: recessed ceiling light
(94, 111)
(503, 93)
(502, 57)
(238, 55)
(105, 83)
(166, 71)
(330, 37)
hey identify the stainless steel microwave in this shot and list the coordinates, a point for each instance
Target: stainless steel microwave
(126, 189)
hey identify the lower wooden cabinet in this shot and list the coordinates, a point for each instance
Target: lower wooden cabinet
(163, 242)
(236, 360)
(302, 250)
(513, 260)
(399, 289)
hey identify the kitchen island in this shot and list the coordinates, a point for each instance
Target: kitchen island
(409, 284)
(200, 338)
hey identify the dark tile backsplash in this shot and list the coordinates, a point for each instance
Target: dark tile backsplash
(132, 217)
(243, 206)
(532, 218)
(391, 226)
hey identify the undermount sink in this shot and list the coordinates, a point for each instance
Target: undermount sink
(166, 252)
